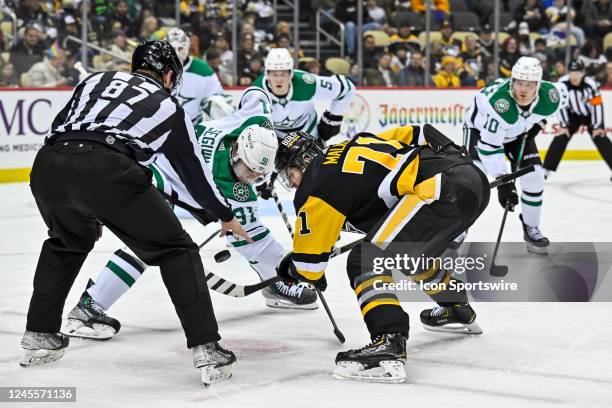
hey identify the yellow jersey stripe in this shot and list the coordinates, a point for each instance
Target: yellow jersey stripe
(399, 217)
(322, 229)
(429, 190)
(405, 182)
(311, 276)
(428, 273)
(370, 282)
(404, 134)
(379, 302)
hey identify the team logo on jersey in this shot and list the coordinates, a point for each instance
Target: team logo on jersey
(553, 95)
(241, 192)
(309, 78)
(502, 105)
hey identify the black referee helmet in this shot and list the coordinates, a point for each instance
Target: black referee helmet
(576, 65)
(159, 57)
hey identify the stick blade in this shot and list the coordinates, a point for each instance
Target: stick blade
(498, 270)
(339, 335)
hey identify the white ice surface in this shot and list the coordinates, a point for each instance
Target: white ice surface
(530, 355)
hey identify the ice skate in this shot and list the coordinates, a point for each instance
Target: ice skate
(459, 318)
(290, 296)
(215, 362)
(536, 242)
(380, 361)
(88, 320)
(42, 348)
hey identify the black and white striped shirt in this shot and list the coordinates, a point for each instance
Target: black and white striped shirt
(584, 100)
(136, 109)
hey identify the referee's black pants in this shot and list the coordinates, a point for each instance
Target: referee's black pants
(420, 225)
(559, 143)
(75, 183)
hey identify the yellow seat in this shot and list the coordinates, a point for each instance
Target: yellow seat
(607, 41)
(7, 29)
(4, 57)
(381, 39)
(25, 80)
(433, 36)
(338, 66)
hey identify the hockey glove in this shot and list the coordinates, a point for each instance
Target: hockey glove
(507, 195)
(265, 189)
(287, 272)
(329, 125)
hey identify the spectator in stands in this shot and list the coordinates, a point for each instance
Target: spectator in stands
(70, 29)
(28, 51)
(371, 53)
(122, 16)
(149, 29)
(471, 48)
(404, 35)
(284, 41)
(400, 58)
(592, 58)
(251, 72)
(47, 73)
(68, 70)
(508, 56)
(446, 45)
(121, 48)
(597, 17)
(533, 13)
(32, 11)
(246, 52)
(226, 57)
(375, 13)
(382, 75)
(524, 40)
(486, 41)
(8, 76)
(413, 74)
(346, 11)
(446, 76)
(558, 15)
(259, 36)
(540, 51)
(441, 8)
(558, 70)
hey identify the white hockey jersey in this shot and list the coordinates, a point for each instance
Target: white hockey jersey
(500, 120)
(296, 111)
(199, 84)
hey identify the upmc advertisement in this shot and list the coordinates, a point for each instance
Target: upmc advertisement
(26, 115)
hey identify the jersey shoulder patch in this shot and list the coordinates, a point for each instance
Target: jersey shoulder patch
(200, 67)
(503, 104)
(304, 85)
(549, 99)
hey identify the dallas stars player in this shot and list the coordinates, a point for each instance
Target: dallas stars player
(240, 149)
(501, 116)
(201, 93)
(412, 200)
(294, 94)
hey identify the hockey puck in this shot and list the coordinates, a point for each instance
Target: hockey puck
(222, 256)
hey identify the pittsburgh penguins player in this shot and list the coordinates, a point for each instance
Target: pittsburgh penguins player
(418, 195)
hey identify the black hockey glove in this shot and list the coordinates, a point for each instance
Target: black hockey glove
(265, 189)
(507, 195)
(329, 125)
(535, 130)
(287, 272)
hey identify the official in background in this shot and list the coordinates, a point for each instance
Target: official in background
(88, 175)
(585, 108)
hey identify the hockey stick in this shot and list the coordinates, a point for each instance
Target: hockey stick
(502, 270)
(337, 331)
(207, 240)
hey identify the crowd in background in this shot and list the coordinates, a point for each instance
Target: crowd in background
(462, 40)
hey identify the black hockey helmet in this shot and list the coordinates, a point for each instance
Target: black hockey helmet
(297, 149)
(159, 57)
(575, 65)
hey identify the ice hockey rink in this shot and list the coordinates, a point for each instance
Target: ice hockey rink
(530, 354)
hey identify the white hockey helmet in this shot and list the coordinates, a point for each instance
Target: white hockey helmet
(257, 148)
(527, 69)
(279, 59)
(180, 41)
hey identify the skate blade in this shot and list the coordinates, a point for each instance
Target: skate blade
(459, 328)
(32, 358)
(212, 374)
(97, 331)
(536, 250)
(283, 304)
(390, 372)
